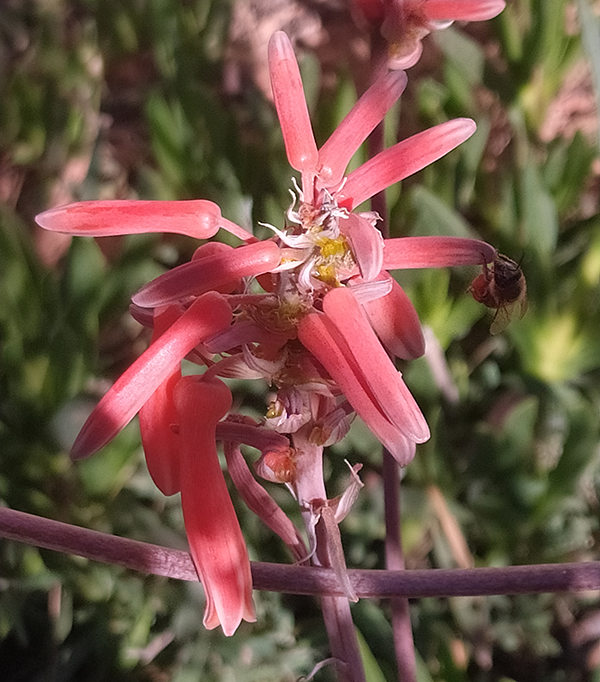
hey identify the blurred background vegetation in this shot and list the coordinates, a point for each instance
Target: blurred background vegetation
(170, 99)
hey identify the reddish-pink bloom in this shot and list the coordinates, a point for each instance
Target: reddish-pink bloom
(317, 331)
(404, 23)
(216, 541)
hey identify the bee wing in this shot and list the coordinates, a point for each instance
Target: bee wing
(521, 306)
(502, 318)
(505, 314)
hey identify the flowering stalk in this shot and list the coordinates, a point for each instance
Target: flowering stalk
(311, 311)
(368, 584)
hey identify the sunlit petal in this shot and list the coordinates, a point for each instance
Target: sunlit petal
(213, 531)
(366, 242)
(384, 381)
(360, 121)
(318, 335)
(292, 111)
(395, 320)
(196, 218)
(462, 10)
(404, 159)
(120, 404)
(158, 419)
(205, 274)
(435, 252)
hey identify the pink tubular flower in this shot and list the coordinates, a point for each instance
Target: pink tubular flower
(206, 316)
(404, 23)
(215, 538)
(317, 331)
(344, 248)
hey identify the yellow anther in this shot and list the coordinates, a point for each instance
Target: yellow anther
(275, 410)
(327, 273)
(330, 248)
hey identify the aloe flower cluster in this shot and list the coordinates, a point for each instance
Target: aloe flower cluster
(404, 23)
(312, 311)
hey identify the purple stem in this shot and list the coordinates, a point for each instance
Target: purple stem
(434, 582)
(310, 491)
(394, 560)
(342, 639)
(401, 625)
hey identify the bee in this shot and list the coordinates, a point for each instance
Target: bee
(502, 286)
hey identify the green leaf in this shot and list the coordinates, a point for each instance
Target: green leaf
(539, 215)
(434, 217)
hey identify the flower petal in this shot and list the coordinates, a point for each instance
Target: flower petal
(206, 316)
(290, 102)
(250, 433)
(205, 274)
(318, 335)
(366, 242)
(197, 218)
(462, 10)
(158, 418)
(245, 332)
(404, 159)
(213, 531)
(396, 323)
(385, 382)
(360, 121)
(259, 501)
(405, 253)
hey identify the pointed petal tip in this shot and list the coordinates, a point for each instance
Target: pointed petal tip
(46, 218)
(468, 125)
(228, 621)
(81, 449)
(404, 158)
(280, 46)
(292, 110)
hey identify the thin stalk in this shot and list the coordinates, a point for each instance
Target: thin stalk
(394, 558)
(307, 580)
(310, 491)
(401, 625)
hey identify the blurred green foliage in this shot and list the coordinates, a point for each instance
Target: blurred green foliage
(107, 99)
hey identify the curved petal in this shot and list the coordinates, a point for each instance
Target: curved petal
(462, 10)
(213, 531)
(396, 323)
(360, 121)
(210, 250)
(404, 159)
(372, 362)
(366, 242)
(318, 335)
(245, 332)
(405, 53)
(259, 501)
(158, 418)
(206, 316)
(290, 102)
(205, 274)
(405, 253)
(250, 433)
